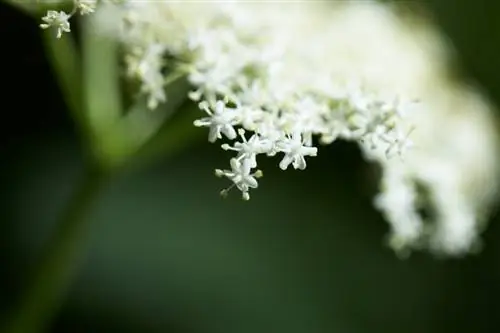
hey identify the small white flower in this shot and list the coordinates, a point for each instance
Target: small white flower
(147, 65)
(221, 120)
(399, 142)
(372, 138)
(307, 118)
(211, 80)
(364, 125)
(58, 20)
(249, 116)
(241, 177)
(295, 150)
(86, 6)
(358, 99)
(398, 106)
(253, 94)
(335, 126)
(248, 149)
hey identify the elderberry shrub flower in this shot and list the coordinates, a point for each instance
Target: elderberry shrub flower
(276, 79)
(59, 20)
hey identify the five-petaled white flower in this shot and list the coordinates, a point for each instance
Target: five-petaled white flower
(58, 20)
(399, 142)
(221, 120)
(295, 150)
(240, 174)
(248, 149)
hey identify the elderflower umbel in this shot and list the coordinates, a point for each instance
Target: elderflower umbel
(271, 77)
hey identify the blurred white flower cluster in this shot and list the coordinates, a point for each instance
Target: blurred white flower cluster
(277, 78)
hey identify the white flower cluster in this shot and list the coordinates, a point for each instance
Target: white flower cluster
(253, 75)
(59, 20)
(277, 79)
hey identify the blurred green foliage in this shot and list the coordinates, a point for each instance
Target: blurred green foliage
(305, 254)
(474, 31)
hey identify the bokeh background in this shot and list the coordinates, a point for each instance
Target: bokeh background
(166, 254)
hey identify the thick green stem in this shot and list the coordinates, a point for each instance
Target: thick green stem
(48, 285)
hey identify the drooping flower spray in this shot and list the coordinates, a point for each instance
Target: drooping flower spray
(282, 79)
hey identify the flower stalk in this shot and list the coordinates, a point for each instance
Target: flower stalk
(48, 285)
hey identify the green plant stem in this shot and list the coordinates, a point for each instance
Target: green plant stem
(48, 285)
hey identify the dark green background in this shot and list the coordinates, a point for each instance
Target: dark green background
(166, 254)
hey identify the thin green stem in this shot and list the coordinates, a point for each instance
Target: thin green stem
(65, 62)
(48, 285)
(100, 79)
